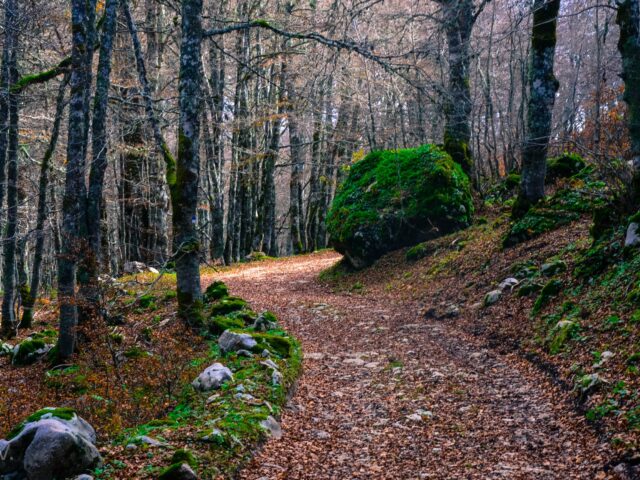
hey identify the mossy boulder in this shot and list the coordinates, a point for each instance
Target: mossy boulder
(564, 166)
(216, 291)
(228, 305)
(563, 331)
(397, 198)
(30, 350)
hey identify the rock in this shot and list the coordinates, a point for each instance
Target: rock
(509, 283)
(633, 235)
(313, 355)
(368, 217)
(178, 471)
(52, 443)
(134, 267)
(213, 377)
(451, 311)
(144, 439)
(246, 397)
(321, 435)
(213, 436)
(265, 321)
(244, 353)
(492, 297)
(6, 350)
(153, 270)
(552, 268)
(84, 476)
(272, 426)
(230, 341)
(265, 353)
(270, 364)
(276, 378)
(358, 362)
(604, 357)
(29, 351)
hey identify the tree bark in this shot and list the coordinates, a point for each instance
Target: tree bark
(459, 19)
(184, 193)
(543, 86)
(74, 201)
(9, 323)
(628, 19)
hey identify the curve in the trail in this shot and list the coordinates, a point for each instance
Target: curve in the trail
(387, 394)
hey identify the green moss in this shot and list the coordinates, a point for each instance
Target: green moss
(171, 472)
(219, 324)
(170, 295)
(396, 198)
(147, 302)
(64, 413)
(550, 290)
(419, 252)
(527, 288)
(26, 351)
(216, 291)
(135, 352)
(227, 305)
(283, 346)
(560, 334)
(565, 206)
(184, 456)
(564, 166)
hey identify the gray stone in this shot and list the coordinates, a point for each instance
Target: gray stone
(272, 426)
(551, 268)
(263, 324)
(50, 447)
(84, 476)
(154, 270)
(134, 267)
(6, 349)
(146, 440)
(451, 311)
(276, 378)
(244, 353)
(492, 297)
(508, 283)
(213, 377)
(231, 342)
(633, 235)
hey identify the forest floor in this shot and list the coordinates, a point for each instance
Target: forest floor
(388, 393)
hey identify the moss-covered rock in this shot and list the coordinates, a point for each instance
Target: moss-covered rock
(279, 344)
(528, 287)
(564, 166)
(216, 291)
(227, 305)
(563, 331)
(30, 351)
(219, 324)
(396, 198)
(550, 290)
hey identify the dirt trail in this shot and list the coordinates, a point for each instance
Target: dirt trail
(388, 394)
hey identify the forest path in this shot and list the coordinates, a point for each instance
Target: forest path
(388, 394)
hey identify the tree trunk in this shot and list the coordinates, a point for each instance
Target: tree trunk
(543, 86)
(628, 19)
(98, 165)
(296, 212)
(184, 193)
(9, 323)
(458, 22)
(73, 204)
